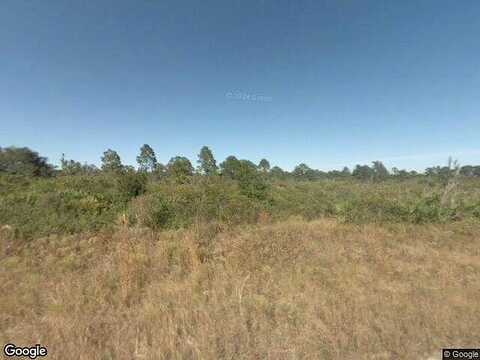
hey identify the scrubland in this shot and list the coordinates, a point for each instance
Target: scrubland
(327, 270)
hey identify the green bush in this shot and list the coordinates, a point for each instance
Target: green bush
(170, 205)
(131, 184)
(153, 211)
(36, 207)
(62, 205)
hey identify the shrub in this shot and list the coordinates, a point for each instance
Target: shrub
(169, 205)
(68, 204)
(131, 184)
(153, 211)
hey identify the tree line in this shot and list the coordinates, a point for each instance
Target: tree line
(24, 161)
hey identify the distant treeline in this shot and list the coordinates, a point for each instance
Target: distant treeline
(37, 199)
(24, 161)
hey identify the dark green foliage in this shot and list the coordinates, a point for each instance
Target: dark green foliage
(303, 172)
(470, 171)
(85, 199)
(430, 210)
(23, 161)
(147, 161)
(230, 167)
(402, 174)
(70, 167)
(131, 184)
(111, 161)
(380, 172)
(154, 211)
(68, 204)
(346, 171)
(251, 183)
(363, 172)
(206, 161)
(170, 205)
(264, 166)
(63, 205)
(277, 173)
(374, 208)
(180, 169)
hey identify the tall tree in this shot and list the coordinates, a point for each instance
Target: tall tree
(180, 168)
(147, 161)
(131, 183)
(23, 161)
(251, 183)
(230, 167)
(264, 166)
(346, 171)
(303, 172)
(207, 162)
(111, 161)
(363, 172)
(70, 167)
(380, 172)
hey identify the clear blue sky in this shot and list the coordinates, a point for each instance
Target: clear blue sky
(350, 81)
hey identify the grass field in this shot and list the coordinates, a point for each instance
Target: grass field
(293, 289)
(246, 180)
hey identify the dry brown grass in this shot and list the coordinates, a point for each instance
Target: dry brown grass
(297, 290)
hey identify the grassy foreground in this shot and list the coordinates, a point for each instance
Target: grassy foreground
(291, 290)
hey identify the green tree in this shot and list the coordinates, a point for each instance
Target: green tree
(130, 183)
(264, 166)
(245, 172)
(277, 173)
(380, 172)
(111, 161)
(251, 183)
(467, 170)
(230, 167)
(206, 161)
(400, 174)
(476, 171)
(23, 161)
(180, 168)
(147, 161)
(303, 172)
(363, 172)
(72, 167)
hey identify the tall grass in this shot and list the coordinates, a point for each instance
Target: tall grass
(291, 290)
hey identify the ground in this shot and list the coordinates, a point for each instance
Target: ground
(290, 290)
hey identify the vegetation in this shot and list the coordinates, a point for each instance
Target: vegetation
(147, 161)
(37, 200)
(23, 161)
(295, 290)
(236, 260)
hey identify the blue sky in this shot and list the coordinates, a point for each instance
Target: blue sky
(344, 82)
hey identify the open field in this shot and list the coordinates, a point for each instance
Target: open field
(245, 180)
(290, 290)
